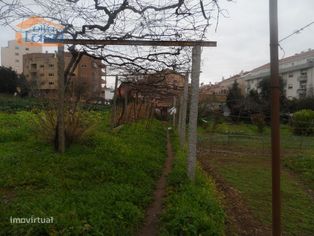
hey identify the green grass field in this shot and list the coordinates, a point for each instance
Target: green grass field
(244, 163)
(100, 186)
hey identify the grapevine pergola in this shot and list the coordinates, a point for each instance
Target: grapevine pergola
(195, 74)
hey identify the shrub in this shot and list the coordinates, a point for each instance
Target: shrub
(76, 125)
(259, 120)
(303, 122)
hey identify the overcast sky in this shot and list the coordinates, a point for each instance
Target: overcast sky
(243, 37)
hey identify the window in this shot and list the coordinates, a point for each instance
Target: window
(41, 66)
(290, 86)
(16, 54)
(51, 65)
(83, 66)
(304, 72)
(290, 75)
(26, 49)
(34, 66)
(51, 83)
(17, 60)
(51, 74)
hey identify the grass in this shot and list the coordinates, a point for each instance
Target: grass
(100, 186)
(245, 165)
(191, 209)
(303, 166)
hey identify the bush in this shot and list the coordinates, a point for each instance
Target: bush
(300, 104)
(259, 120)
(76, 125)
(303, 122)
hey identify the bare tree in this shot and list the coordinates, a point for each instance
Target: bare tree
(124, 19)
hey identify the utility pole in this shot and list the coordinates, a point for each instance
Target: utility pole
(275, 118)
(196, 65)
(60, 118)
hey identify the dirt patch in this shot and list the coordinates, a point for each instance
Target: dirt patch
(7, 195)
(150, 226)
(240, 220)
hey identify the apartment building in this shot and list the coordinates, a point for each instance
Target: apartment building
(41, 70)
(12, 55)
(297, 72)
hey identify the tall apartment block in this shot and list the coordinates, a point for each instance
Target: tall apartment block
(41, 71)
(12, 55)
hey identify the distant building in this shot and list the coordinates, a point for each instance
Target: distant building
(296, 71)
(12, 55)
(41, 70)
(218, 92)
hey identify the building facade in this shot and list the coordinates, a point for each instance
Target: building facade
(296, 71)
(219, 91)
(12, 55)
(41, 71)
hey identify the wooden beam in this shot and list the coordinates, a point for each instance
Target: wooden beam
(160, 43)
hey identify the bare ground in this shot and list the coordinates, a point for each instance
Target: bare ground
(150, 226)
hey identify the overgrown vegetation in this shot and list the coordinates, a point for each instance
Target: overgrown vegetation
(303, 122)
(191, 209)
(100, 186)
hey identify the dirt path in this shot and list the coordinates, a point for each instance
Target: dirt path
(240, 220)
(150, 226)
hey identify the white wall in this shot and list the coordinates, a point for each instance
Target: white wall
(12, 56)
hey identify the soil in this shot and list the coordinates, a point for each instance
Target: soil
(150, 226)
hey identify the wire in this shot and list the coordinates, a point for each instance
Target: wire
(297, 31)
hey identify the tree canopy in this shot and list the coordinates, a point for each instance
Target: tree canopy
(10, 80)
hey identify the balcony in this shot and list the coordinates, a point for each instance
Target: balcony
(301, 91)
(302, 78)
(33, 70)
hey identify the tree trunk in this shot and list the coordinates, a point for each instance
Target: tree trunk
(60, 129)
(196, 59)
(174, 112)
(114, 105)
(126, 107)
(184, 110)
(180, 114)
